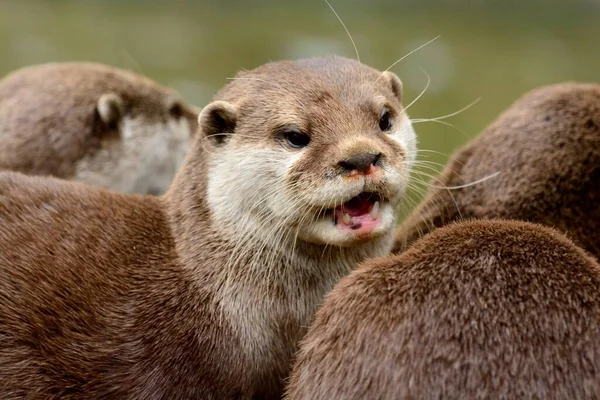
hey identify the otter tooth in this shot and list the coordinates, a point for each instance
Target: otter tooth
(346, 218)
(375, 210)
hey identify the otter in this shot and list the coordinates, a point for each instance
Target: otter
(542, 156)
(93, 123)
(487, 309)
(291, 181)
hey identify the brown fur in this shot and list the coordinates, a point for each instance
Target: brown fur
(50, 120)
(106, 295)
(546, 148)
(479, 309)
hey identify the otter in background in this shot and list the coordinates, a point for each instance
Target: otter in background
(478, 309)
(543, 157)
(93, 123)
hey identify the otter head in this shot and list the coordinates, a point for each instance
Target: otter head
(318, 150)
(143, 132)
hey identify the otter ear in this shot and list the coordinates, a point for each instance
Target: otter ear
(110, 108)
(217, 121)
(394, 82)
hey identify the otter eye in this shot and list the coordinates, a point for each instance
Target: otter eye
(176, 111)
(295, 138)
(385, 124)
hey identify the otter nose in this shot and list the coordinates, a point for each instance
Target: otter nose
(360, 162)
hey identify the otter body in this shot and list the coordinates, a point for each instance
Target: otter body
(478, 310)
(206, 291)
(95, 124)
(80, 314)
(543, 157)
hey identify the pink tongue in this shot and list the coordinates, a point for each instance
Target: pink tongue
(360, 220)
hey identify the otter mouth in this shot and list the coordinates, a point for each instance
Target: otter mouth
(359, 215)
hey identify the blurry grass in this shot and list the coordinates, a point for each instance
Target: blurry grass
(493, 50)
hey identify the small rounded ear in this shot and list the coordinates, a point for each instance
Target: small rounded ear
(394, 82)
(217, 121)
(110, 108)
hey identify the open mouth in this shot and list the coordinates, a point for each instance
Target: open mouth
(360, 214)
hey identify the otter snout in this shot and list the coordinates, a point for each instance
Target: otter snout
(361, 162)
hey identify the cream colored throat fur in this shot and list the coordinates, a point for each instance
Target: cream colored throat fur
(264, 290)
(143, 160)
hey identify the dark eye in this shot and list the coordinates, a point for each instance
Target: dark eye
(295, 138)
(385, 123)
(176, 111)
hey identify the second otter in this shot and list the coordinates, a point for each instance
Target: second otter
(205, 292)
(546, 152)
(95, 124)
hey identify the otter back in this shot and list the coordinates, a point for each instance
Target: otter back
(545, 154)
(487, 310)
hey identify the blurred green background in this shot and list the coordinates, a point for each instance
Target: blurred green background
(493, 50)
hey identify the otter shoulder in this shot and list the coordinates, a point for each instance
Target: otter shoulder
(28, 202)
(22, 194)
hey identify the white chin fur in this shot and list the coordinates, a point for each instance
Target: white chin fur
(325, 232)
(144, 160)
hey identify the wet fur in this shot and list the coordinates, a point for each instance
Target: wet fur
(545, 150)
(148, 298)
(479, 309)
(51, 124)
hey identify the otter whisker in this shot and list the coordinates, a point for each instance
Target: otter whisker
(427, 218)
(435, 178)
(442, 123)
(428, 175)
(420, 94)
(418, 185)
(418, 168)
(437, 164)
(468, 184)
(431, 151)
(406, 55)
(346, 29)
(429, 163)
(417, 120)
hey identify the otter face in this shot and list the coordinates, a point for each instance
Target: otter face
(317, 149)
(141, 147)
